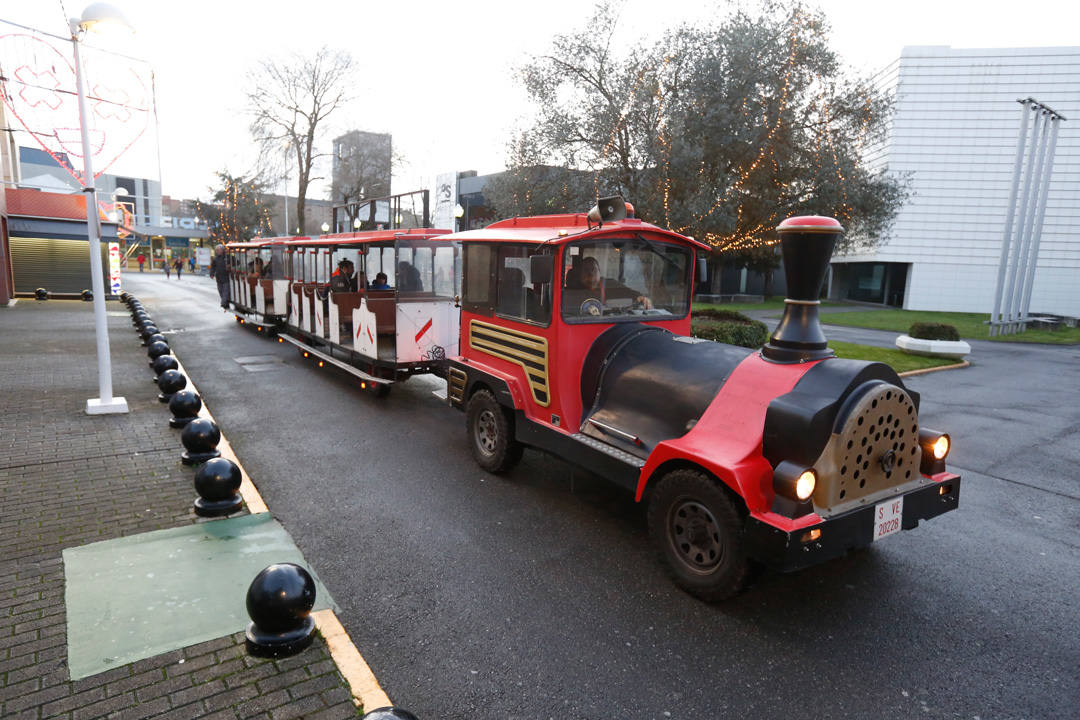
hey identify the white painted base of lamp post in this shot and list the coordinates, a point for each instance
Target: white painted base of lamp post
(933, 348)
(94, 406)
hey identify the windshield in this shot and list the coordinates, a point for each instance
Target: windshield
(625, 278)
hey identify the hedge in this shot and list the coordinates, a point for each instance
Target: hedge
(727, 326)
(933, 331)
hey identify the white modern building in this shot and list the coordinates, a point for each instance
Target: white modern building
(953, 134)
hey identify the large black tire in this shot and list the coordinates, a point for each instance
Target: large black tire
(698, 531)
(491, 433)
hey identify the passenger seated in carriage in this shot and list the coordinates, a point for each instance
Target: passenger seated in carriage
(344, 278)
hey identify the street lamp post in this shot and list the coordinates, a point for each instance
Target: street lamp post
(95, 15)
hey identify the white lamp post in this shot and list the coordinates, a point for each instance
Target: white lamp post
(95, 16)
(458, 213)
(325, 227)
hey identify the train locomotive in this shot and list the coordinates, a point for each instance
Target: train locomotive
(574, 339)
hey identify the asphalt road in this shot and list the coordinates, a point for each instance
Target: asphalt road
(538, 595)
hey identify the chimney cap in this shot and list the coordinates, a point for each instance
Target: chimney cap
(810, 223)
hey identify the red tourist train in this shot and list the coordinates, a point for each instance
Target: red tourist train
(570, 334)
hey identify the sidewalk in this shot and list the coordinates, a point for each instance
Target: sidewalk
(68, 479)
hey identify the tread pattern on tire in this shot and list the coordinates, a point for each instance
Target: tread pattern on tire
(508, 450)
(730, 576)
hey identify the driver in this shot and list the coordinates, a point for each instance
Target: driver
(603, 289)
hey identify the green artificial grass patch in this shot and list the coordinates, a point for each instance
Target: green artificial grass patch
(969, 325)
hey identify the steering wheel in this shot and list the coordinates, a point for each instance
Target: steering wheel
(592, 306)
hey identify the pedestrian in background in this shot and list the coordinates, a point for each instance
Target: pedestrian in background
(191, 263)
(178, 264)
(220, 272)
(142, 261)
(165, 267)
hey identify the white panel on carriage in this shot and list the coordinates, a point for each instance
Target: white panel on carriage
(260, 298)
(426, 330)
(281, 295)
(334, 329)
(365, 337)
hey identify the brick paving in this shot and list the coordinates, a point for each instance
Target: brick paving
(68, 479)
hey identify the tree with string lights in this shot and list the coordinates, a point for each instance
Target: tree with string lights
(237, 211)
(719, 132)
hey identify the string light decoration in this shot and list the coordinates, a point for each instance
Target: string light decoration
(241, 214)
(719, 133)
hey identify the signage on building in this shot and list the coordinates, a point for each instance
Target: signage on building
(114, 268)
(445, 200)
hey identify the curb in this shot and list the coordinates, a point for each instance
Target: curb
(363, 684)
(926, 371)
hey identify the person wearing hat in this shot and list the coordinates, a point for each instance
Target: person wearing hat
(344, 278)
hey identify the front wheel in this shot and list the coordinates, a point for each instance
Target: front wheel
(491, 433)
(698, 531)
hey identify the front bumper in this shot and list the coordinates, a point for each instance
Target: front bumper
(786, 551)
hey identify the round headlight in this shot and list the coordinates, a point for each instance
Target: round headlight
(941, 447)
(804, 486)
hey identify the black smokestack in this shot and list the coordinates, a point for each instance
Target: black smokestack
(806, 244)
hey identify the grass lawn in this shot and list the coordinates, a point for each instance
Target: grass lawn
(898, 360)
(969, 325)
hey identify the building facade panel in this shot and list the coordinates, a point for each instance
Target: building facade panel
(954, 135)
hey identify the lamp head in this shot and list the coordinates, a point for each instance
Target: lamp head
(101, 17)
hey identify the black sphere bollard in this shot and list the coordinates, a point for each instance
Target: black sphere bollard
(41, 294)
(148, 332)
(125, 297)
(279, 602)
(87, 296)
(156, 337)
(170, 382)
(156, 350)
(184, 405)
(147, 328)
(217, 482)
(200, 437)
(162, 363)
(389, 713)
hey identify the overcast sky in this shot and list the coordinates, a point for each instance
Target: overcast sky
(439, 75)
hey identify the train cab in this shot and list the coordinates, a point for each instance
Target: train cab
(378, 304)
(538, 295)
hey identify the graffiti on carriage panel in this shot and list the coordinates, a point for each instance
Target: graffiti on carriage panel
(426, 331)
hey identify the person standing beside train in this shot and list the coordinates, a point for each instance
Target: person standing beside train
(220, 272)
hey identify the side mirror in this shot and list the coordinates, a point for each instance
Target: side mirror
(702, 269)
(541, 268)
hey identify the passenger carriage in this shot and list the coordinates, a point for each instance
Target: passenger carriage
(381, 335)
(258, 286)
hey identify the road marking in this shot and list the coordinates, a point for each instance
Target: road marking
(365, 688)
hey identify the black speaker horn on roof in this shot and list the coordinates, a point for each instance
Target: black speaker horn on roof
(608, 209)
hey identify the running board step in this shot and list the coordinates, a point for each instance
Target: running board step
(621, 455)
(335, 362)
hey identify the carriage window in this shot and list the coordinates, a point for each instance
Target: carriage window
(477, 290)
(625, 279)
(519, 295)
(265, 260)
(444, 282)
(409, 263)
(322, 273)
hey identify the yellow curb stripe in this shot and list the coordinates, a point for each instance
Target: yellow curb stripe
(248, 490)
(365, 688)
(939, 368)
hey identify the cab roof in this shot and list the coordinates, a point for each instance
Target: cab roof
(562, 229)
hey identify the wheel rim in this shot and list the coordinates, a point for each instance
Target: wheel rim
(487, 432)
(694, 534)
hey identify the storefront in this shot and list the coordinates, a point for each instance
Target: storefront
(48, 245)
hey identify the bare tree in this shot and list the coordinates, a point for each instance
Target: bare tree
(289, 100)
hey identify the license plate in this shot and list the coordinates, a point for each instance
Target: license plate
(887, 517)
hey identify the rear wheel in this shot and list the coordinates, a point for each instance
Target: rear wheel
(491, 433)
(698, 531)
